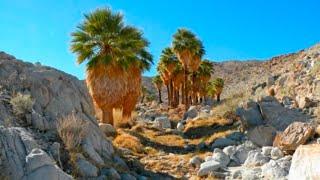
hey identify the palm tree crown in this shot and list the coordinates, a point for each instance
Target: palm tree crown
(184, 41)
(103, 38)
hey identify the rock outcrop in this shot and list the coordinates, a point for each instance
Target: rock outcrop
(55, 95)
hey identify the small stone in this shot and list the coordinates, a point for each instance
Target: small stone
(180, 126)
(266, 150)
(276, 153)
(221, 157)
(208, 167)
(162, 122)
(229, 150)
(195, 161)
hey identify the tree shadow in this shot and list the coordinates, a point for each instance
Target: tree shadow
(203, 131)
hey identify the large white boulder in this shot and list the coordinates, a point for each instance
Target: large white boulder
(306, 163)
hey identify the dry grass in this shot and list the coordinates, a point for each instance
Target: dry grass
(71, 131)
(123, 122)
(229, 104)
(129, 142)
(21, 104)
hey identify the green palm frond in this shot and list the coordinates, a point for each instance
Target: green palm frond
(103, 38)
(185, 40)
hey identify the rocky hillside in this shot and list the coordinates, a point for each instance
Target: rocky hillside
(48, 128)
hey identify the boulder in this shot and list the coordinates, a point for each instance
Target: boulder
(262, 135)
(266, 150)
(85, 168)
(256, 158)
(277, 116)
(40, 165)
(305, 162)
(230, 150)
(250, 115)
(127, 176)
(223, 142)
(303, 102)
(107, 129)
(242, 152)
(209, 167)
(221, 157)
(296, 134)
(111, 173)
(195, 161)
(276, 153)
(191, 113)
(278, 169)
(162, 122)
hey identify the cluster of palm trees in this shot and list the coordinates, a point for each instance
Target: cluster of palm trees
(116, 55)
(184, 73)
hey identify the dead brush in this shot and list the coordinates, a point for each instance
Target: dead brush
(72, 131)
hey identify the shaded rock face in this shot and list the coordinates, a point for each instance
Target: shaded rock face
(305, 163)
(268, 110)
(278, 116)
(55, 95)
(296, 134)
(262, 135)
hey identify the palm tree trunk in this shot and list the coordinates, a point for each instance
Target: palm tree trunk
(107, 116)
(186, 89)
(168, 91)
(159, 94)
(218, 97)
(182, 94)
(171, 93)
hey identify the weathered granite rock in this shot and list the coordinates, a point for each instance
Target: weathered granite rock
(296, 134)
(262, 135)
(277, 116)
(278, 169)
(250, 114)
(223, 142)
(255, 158)
(191, 113)
(305, 162)
(40, 165)
(209, 167)
(162, 122)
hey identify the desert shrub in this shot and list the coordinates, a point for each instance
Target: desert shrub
(21, 104)
(72, 131)
(129, 142)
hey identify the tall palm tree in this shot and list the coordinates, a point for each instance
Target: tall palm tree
(189, 50)
(116, 55)
(177, 79)
(167, 63)
(204, 74)
(157, 81)
(216, 87)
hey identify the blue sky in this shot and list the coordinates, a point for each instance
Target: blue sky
(39, 30)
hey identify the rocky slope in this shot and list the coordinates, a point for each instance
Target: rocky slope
(30, 147)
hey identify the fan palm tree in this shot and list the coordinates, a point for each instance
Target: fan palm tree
(167, 63)
(204, 74)
(216, 87)
(116, 55)
(189, 50)
(157, 82)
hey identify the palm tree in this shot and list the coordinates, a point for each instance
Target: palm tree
(204, 74)
(167, 63)
(189, 50)
(116, 56)
(157, 81)
(216, 87)
(144, 92)
(177, 79)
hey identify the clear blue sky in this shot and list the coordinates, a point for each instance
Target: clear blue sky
(39, 30)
